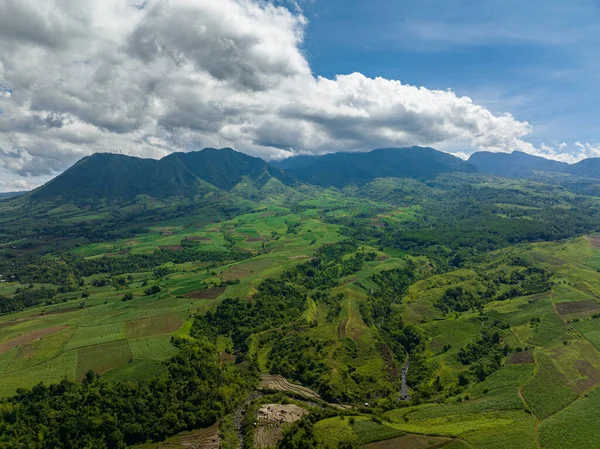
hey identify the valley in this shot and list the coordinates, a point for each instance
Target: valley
(454, 309)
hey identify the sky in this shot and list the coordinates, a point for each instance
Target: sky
(276, 78)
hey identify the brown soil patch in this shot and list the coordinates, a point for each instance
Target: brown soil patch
(521, 358)
(28, 338)
(171, 248)
(255, 239)
(591, 376)
(382, 257)
(302, 256)
(567, 308)
(198, 239)
(225, 358)
(268, 214)
(243, 270)
(156, 325)
(378, 224)
(594, 241)
(410, 441)
(206, 293)
(271, 421)
(280, 383)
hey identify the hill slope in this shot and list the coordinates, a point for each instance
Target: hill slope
(114, 177)
(341, 169)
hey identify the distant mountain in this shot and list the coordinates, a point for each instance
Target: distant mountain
(523, 165)
(341, 169)
(5, 195)
(515, 164)
(587, 168)
(114, 177)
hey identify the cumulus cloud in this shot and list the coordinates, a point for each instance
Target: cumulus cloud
(155, 76)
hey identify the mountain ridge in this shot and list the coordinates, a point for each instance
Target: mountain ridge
(522, 165)
(114, 178)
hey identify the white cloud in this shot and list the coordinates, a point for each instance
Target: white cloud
(151, 77)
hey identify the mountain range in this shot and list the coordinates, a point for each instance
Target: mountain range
(118, 178)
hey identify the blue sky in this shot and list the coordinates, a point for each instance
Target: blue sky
(276, 78)
(536, 59)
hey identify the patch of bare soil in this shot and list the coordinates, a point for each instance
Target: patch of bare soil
(280, 383)
(225, 358)
(171, 248)
(521, 358)
(206, 293)
(28, 338)
(271, 421)
(302, 256)
(255, 239)
(198, 239)
(591, 376)
(567, 308)
(594, 241)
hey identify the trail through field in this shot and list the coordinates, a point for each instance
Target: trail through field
(537, 420)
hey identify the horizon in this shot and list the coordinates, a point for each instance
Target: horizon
(296, 77)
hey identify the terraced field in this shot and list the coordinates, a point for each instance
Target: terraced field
(280, 383)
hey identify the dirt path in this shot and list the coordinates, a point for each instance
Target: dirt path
(520, 393)
(341, 329)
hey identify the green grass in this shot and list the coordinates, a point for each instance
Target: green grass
(547, 392)
(574, 427)
(370, 432)
(331, 433)
(152, 348)
(102, 358)
(136, 369)
(95, 335)
(590, 329)
(551, 330)
(51, 371)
